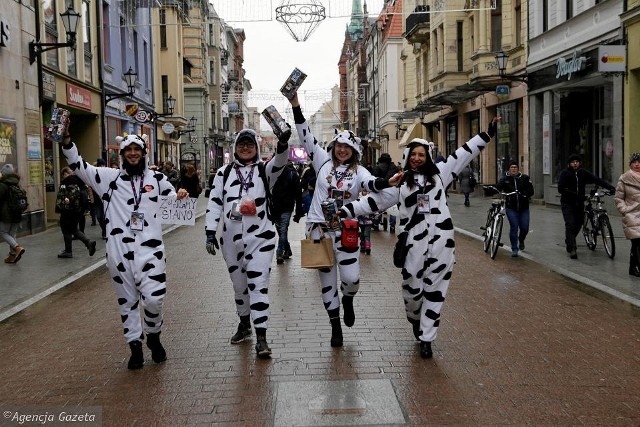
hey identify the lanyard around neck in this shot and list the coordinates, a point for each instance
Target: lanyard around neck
(245, 183)
(137, 196)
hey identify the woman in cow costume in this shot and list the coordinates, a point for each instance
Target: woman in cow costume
(135, 250)
(338, 171)
(425, 219)
(239, 200)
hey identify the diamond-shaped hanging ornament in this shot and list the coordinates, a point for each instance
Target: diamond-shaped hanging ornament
(300, 17)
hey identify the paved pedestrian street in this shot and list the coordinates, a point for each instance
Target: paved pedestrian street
(518, 345)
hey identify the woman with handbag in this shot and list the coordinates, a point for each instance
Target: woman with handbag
(429, 252)
(340, 178)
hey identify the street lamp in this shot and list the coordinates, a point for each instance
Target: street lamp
(70, 20)
(130, 77)
(501, 62)
(191, 127)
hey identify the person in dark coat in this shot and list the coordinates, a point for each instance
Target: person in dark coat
(70, 218)
(287, 197)
(571, 183)
(190, 181)
(9, 223)
(517, 205)
(466, 180)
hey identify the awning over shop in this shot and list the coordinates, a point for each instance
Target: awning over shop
(413, 131)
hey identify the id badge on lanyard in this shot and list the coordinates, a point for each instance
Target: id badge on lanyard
(136, 222)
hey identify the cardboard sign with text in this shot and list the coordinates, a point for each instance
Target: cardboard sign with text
(181, 212)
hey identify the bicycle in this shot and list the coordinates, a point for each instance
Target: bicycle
(492, 230)
(596, 222)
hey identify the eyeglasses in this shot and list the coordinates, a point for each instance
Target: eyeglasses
(245, 144)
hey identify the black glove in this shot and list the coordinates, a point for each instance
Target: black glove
(283, 139)
(297, 216)
(493, 129)
(212, 244)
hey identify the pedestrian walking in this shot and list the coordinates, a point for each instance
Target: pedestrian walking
(571, 186)
(70, 204)
(466, 179)
(385, 168)
(308, 184)
(517, 205)
(172, 174)
(10, 212)
(190, 181)
(239, 205)
(627, 200)
(135, 250)
(341, 178)
(428, 235)
(287, 198)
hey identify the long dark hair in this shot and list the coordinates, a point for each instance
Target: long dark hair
(429, 169)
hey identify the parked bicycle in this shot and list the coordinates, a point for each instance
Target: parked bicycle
(596, 222)
(492, 230)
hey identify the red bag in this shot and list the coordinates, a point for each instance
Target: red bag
(349, 236)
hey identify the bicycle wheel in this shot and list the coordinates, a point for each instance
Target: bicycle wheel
(497, 234)
(486, 235)
(607, 236)
(587, 232)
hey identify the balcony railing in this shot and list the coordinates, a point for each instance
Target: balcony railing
(417, 24)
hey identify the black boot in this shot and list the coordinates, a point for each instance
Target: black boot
(634, 269)
(158, 354)
(136, 361)
(425, 350)
(244, 330)
(336, 328)
(262, 348)
(349, 315)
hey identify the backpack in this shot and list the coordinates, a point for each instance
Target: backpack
(73, 194)
(263, 174)
(17, 202)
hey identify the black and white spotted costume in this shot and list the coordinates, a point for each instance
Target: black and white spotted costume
(248, 244)
(431, 256)
(135, 259)
(343, 178)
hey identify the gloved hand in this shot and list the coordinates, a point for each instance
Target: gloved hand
(493, 128)
(212, 244)
(284, 138)
(297, 216)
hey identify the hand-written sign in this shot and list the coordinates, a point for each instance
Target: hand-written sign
(173, 211)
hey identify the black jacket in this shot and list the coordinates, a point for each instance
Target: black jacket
(384, 169)
(571, 185)
(520, 183)
(287, 193)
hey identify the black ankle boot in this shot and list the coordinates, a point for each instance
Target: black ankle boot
(262, 348)
(158, 354)
(349, 315)
(425, 350)
(136, 361)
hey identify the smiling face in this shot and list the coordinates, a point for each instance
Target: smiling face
(246, 150)
(343, 152)
(417, 157)
(133, 154)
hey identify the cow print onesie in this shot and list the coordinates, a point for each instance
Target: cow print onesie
(135, 259)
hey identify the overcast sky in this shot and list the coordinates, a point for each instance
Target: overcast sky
(271, 53)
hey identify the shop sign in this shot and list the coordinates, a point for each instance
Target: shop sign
(568, 67)
(612, 59)
(48, 85)
(4, 33)
(78, 96)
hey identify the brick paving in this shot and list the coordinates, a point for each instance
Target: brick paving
(518, 345)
